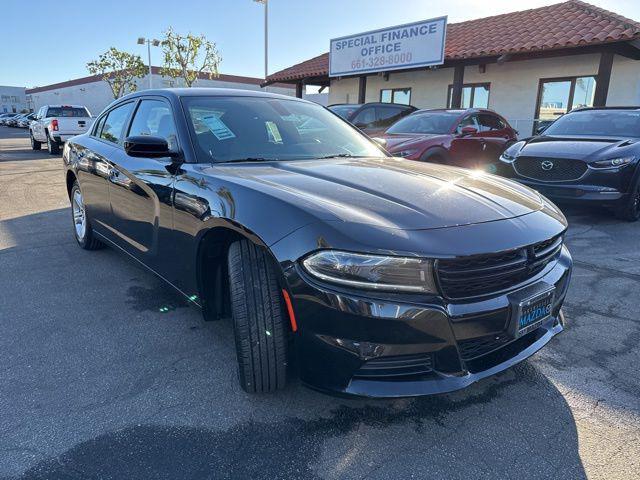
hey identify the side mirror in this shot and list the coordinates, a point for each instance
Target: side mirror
(148, 146)
(468, 130)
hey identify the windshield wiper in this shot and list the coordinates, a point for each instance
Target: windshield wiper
(341, 155)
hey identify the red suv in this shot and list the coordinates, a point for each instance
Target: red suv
(468, 138)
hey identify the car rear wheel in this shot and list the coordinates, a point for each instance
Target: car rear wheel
(631, 209)
(52, 146)
(81, 225)
(35, 145)
(258, 319)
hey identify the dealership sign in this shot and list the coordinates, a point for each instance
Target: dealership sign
(413, 45)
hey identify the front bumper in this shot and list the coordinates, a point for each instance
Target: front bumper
(392, 347)
(602, 186)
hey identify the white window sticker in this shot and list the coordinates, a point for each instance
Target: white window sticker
(273, 132)
(218, 127)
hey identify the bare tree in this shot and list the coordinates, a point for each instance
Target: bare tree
(188, 56)
(119, 69)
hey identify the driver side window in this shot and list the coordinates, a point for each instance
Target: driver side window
(154, 118)
(469, 121)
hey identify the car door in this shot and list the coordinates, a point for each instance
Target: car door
(495, 134)
(92, 155)
(467, 149)
(140, 188)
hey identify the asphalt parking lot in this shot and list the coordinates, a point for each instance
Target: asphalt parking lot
(106, 373)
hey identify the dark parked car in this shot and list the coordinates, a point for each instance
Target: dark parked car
(375, 275)
(470, 138)
(588, 155)
(372, 118)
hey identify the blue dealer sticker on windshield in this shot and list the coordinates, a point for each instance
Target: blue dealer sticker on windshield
(218, 127)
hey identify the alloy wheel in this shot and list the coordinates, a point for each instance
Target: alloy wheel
(79, 215)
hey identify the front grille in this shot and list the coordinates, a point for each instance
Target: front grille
(396, 367)
(479, 275)
(476, 347)
(550, 169)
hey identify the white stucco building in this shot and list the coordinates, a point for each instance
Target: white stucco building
(12, 99)
(528, 66)
(95, 94)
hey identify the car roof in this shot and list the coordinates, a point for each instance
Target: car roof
(460, 111)
(209, 92)
(618, 107)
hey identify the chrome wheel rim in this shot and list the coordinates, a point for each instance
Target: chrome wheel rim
(79, 215)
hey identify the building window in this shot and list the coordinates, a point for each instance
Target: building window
(474, 95)
(396, 95)
(557, 96)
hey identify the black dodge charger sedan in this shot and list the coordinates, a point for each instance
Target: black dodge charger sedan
(588, 155)
(374, 275)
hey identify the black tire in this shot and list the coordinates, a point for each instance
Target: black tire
(258, 319)
(35, 145)
(433, 157)
(87, 241)
(52, 146)
(630, 211)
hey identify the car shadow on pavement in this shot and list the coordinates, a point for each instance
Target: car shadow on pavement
(116, 387)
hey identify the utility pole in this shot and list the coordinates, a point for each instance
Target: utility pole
(266, 36)
(149, 42)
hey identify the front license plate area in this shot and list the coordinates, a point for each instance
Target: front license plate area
(532, 312)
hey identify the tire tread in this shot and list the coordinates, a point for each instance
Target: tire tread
(256, 306)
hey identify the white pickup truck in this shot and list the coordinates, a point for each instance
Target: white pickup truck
(55, 124)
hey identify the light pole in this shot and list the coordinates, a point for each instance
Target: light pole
(149, 42)
(266, 36)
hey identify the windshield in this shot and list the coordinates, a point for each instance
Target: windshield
(597, 123)
(264, 128)
(425, 122)
(345, 111)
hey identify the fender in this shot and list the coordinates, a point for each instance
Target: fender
(436, 151)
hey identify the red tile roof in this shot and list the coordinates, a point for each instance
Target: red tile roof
(563, 25)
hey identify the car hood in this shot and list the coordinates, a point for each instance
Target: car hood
(387, 192)
(396, 142)
(576, 148)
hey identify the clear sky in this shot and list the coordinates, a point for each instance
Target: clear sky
(44, 42)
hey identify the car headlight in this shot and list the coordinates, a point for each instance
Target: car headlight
(612, 162)
(511, 153)
(406, 153)
(373, 272)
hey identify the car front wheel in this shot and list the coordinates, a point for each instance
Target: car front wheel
(81, 225)
(630, 211)
(258, 319)
(35, 145)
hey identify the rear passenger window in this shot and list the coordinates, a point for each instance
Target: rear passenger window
(387, 116)
(115, 122)
(154, 117)
(365, 118)
(99, 124)
(490, 123)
